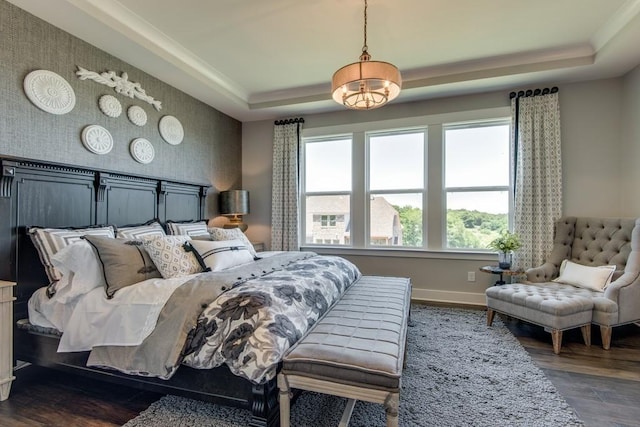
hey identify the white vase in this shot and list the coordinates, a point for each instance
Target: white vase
(504, 260)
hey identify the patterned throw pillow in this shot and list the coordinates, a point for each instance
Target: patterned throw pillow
(168, 254)
(124, 262)
(151, 228)
(223, 254)
(187, 228)
(218, 234)
(48, 241)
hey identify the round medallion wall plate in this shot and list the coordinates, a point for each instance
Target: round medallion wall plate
(110, 105)
(137, 115)
(49, 92)
(142, 151)
(97, 139)
(171, 130)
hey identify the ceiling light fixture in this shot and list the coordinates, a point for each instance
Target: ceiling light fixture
(366, 84)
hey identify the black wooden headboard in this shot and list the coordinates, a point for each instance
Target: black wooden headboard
(34, 193)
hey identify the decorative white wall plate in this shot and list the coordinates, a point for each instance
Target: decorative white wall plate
(171, 130)
(49, 92)
(97, 139)
(110, 105)
(120, 84)
(137, 115)
(142, 151)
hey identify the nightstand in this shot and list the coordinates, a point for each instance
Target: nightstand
(258, 246)
(6, 338)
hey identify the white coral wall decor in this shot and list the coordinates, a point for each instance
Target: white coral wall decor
(49, 92)
(171, 130)
(97, 139)
(137, 115)
(110, 106)
(120, 84)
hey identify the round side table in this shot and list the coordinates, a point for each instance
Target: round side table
(494, 269)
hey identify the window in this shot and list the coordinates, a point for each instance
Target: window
(396, 187)
(476, 183)
(327, 190)
(434, 183)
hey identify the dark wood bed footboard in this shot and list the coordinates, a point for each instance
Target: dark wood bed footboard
(217, 385)
(34, 193)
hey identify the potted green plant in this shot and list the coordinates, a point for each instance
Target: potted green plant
(505, 244)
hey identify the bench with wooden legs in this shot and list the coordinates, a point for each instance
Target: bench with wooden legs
(357, 350)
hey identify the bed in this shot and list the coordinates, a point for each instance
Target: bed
(58, 196)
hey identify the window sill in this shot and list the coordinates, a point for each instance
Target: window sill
(403, 253)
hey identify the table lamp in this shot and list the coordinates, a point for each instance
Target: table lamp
(234, 204)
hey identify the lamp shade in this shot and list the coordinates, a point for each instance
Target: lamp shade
(234, 202)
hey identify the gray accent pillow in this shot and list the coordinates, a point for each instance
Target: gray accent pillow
(124, 262)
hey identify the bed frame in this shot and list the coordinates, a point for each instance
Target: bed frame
(55, 195)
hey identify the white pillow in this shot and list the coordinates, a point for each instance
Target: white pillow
(223, 254)
(81, 271)
(218, 234)
(594, 278)
(169, 256)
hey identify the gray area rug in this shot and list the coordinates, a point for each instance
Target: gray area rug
(459, 372)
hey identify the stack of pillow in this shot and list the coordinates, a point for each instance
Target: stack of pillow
(79, 260)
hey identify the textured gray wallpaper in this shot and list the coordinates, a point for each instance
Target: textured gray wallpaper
(211, 149)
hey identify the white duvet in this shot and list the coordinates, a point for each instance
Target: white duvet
(93, 320)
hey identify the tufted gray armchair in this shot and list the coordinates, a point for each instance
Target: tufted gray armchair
(595, 242)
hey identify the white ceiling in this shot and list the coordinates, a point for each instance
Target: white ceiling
(264, 59)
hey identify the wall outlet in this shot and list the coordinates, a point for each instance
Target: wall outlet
(471, 276)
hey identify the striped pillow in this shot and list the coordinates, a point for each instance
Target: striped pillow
(136, 232)
(221, 255)
(190, 228)
(48, 241)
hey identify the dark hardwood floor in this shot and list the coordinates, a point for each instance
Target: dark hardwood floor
(602, 386)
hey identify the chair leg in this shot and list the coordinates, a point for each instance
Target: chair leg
(586, 334)
(605, 333)
(556, 337)
(490, 315)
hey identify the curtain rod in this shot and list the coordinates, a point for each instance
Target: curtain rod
(536, 92)
(288, 121)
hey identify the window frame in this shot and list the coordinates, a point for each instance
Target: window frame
(434, 214)
(369, 192)
(477, 189)
(304, 194)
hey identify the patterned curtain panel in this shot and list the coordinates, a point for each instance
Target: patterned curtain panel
(284, 197)
(538, 175)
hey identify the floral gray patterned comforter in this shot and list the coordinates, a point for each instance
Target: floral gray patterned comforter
(251, 326)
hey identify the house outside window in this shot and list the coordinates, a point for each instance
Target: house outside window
(326, 197)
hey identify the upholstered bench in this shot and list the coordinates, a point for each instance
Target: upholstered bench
(356, 350)
(556, 307)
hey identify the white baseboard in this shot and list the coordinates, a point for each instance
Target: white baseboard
(467, 298)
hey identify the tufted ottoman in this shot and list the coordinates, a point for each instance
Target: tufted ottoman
(555, 306)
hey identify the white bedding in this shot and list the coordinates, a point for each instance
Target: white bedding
(126, 319)
(49, 312)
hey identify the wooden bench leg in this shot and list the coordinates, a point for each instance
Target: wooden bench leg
(391, 405)
(285, 402)
(346, 415)
(556, 337)
(605, 333)
(586, 334)
(490, 315)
